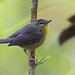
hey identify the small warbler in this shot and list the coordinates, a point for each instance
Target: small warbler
(30, 36)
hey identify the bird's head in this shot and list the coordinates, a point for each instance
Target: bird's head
(42, 24)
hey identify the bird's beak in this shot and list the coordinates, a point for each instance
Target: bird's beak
(49, 21)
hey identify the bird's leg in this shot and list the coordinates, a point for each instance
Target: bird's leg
(26, 53)
(30, 58)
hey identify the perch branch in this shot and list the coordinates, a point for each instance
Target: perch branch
(34, 5)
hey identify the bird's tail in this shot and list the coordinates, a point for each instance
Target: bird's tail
(4, 41)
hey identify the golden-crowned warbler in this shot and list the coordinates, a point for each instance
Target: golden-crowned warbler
(30, 36)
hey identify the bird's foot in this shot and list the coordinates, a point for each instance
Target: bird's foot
(30, 58)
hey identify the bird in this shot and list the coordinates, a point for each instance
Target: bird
(30, 36)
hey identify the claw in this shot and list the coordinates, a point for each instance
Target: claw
(30, 58)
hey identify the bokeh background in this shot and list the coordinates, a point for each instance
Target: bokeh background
(14, 14)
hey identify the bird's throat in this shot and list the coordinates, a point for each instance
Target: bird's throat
(45, 29)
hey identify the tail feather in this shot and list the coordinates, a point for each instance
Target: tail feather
(4, 41)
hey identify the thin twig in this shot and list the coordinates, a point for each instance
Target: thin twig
(34, 5)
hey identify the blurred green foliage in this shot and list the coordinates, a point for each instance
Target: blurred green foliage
(14, 14)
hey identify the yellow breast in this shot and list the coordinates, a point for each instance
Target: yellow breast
(45, 29)
(39, 43)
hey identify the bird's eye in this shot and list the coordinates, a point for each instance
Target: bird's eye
(41, 23)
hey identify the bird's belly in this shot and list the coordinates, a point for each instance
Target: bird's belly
(34, 45)
(37, 44)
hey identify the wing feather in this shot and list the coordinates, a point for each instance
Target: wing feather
(27, 39)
